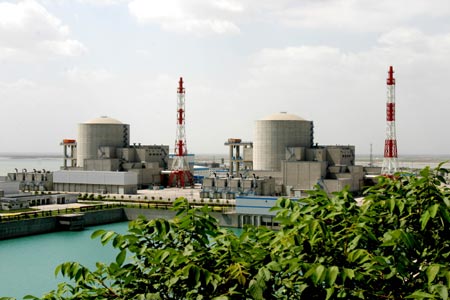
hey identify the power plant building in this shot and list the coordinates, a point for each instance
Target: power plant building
(284, 151)
(99, 135)
(102, 160)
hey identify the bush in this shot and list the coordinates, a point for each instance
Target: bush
(392, 246)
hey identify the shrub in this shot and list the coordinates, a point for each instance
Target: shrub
(394, 245)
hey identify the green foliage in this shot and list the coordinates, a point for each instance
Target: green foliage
(394, 245)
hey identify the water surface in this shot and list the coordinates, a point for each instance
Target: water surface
(27, 264)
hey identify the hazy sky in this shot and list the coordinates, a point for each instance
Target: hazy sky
(63, 62)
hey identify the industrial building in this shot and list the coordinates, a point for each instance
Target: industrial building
(35, 180)
(283, 160)
(284, 149)
(26, 200)
(101, 182)
(102, 160)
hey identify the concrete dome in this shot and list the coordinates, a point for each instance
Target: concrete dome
(103, 120)
(283, 116)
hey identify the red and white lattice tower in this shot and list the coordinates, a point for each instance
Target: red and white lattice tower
(180, 174)
(390, 163)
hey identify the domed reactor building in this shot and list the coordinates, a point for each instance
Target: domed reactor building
(97, 137)
(102, 160)
(274, 134)
(284, 160)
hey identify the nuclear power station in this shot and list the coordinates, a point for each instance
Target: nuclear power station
(282, 160)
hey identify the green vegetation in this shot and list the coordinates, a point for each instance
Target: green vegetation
(393, 246)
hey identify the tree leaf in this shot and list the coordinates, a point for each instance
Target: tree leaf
(332, 275)
(330, 292)
(349, 273)
(442, 291)
(120, 258)
(424, 219)
(318, 273)
(431, 272)
(107, 236)
(420, 295)
(97, 233)
(433, 210)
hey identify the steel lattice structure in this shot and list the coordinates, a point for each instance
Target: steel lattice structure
(390, 163)
(180, 173)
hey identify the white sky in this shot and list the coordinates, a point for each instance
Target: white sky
(63, 62)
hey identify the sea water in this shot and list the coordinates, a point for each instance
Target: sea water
(27, 264)
(8, 163)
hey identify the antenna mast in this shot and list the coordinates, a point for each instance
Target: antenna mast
(390, 163)
(180, 173)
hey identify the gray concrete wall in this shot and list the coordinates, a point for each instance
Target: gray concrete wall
(134, 213)
(10, 187)
(27, 227)
(341, 155)
(303, 175)
(104, 217)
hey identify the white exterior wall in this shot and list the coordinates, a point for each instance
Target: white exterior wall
(255, 205)
(95, 177)
(93, 136)
(273, 136)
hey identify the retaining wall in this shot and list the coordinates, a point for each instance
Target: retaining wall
(20, 228)
(93, 218)
(27, 227)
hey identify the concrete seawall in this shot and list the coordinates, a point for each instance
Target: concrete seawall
(104, 217)
(15, 229)
(27, 227)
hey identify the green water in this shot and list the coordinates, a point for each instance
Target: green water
(27, 264)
